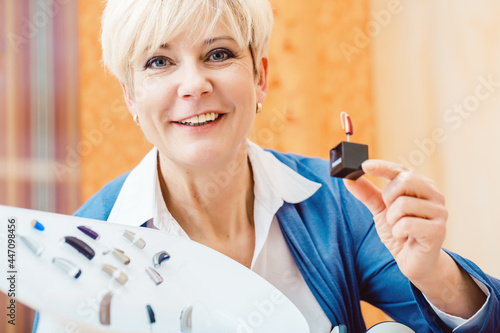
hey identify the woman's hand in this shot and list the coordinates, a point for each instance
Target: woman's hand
(409, 214)
(410, 218)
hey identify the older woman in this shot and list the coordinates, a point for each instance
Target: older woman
(194, 76)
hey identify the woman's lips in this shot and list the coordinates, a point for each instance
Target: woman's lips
(200, 120)
(200, 125)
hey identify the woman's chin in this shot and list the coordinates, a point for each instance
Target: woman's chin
(200, 157)
(208, 153)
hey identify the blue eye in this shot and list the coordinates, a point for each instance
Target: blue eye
(157, 62)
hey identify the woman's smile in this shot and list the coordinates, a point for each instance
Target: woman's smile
(200, 120)
(201, 124)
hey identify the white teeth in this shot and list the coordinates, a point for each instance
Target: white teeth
(201, 119)
(212, 116)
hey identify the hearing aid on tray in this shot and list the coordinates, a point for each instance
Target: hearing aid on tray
(154, 275)
(134, 239)
(68, 267)
(89, 232)
(160, 257)
(115, 273)
(80, 246)
(37, 225)
(346, 158)
(121, 256)
(105, 309)
(32, 244)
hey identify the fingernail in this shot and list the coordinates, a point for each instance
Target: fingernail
(369, 165)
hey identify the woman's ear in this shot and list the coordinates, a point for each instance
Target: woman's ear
(262, 84)
(128, 99)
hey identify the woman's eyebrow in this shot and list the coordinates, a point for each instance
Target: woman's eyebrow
(213, 40)
(207, 42)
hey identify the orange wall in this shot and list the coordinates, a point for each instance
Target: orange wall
(117, 144)
(311, 82)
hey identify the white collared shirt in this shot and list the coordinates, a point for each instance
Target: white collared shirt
(275, 183)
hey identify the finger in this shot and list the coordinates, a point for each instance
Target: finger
(405, 206)
(427, 233)
(409, 183)
(367, 193)
(380, 168)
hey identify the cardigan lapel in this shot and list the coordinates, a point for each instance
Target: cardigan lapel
(317, 273)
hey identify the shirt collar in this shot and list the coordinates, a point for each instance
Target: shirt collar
(275, 182)
(136, 201)
(273, 176)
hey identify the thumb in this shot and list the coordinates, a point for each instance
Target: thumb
(367, 193)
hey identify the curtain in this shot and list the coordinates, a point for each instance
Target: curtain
(39, 163)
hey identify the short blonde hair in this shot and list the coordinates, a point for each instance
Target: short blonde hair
(130, 27)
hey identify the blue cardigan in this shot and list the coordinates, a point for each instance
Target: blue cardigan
(335, 245)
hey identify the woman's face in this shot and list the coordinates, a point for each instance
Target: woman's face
(196, 101)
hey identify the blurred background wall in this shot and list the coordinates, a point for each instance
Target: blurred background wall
(421, 80)
(436, 88)
(39, 116)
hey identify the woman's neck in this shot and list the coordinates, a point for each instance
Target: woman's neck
(214, 205)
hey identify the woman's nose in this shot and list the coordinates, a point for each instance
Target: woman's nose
(194, 82)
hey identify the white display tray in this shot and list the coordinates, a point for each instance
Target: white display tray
(226, 296)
